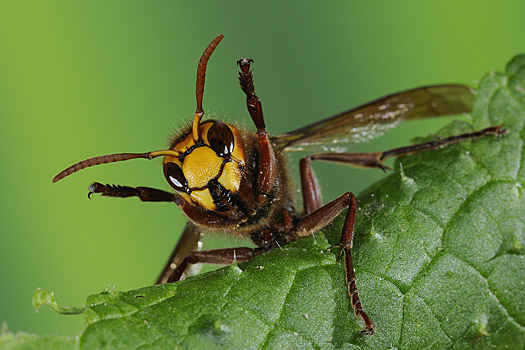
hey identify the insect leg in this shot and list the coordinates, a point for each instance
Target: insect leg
(146, 194)
(309, 186)
(267, 163)
(217, 256)
(375, 159)
(318, 216)
(440, 143)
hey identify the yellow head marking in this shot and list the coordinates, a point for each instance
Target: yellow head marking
(201, 166)
(231, 177)
(204, 198)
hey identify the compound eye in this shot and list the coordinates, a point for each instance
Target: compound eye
(175, 177)
(221, 139)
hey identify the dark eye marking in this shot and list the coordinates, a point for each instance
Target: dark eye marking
(175, 177)
(221, 139)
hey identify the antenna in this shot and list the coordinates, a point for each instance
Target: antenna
(201, 75)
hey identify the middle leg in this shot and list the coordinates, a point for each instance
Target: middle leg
(317, 217)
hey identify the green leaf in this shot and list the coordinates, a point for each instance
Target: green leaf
(439, 256)
(24, 341)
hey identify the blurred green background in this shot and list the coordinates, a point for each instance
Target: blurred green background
(82, 79)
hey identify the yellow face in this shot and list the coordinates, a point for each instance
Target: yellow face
(208, 172)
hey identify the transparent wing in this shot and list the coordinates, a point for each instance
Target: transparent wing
(372, 119)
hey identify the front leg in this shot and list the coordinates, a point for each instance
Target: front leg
(145, 194)
(267, 162)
